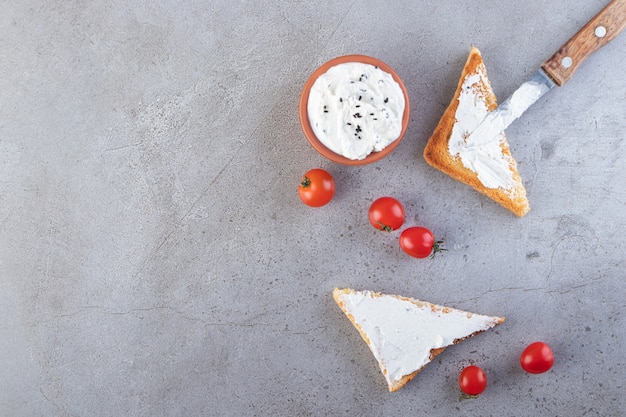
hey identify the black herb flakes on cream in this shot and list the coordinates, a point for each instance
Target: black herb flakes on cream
(356, 109)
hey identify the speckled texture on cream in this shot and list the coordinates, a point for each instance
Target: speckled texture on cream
(155, 259)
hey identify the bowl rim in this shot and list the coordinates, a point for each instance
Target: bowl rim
(304, 118)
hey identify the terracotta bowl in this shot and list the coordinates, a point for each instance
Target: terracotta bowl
(304, 118)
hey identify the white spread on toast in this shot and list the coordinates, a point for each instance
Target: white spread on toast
(402, 332)
(511, 109)
(487, 160)
(355, 109)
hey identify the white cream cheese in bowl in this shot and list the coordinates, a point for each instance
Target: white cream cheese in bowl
(355, 109)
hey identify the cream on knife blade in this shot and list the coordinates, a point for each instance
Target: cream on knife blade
(557, 70)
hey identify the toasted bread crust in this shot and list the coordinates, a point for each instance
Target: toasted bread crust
(437, 155)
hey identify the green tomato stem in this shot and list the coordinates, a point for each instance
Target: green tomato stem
(437, 248)
(384, 227)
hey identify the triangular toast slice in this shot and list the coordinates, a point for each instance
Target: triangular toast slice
(488, 167)
(405, 334)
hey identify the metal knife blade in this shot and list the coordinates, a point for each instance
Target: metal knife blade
(511, 108)
(557, 70)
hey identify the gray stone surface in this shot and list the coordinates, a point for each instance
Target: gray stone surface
(155, 259)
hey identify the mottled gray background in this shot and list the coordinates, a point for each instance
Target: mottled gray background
(155, 259)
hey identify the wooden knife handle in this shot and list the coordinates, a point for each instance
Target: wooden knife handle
(605, 26)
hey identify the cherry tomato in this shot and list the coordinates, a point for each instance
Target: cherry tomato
(473, 380)
(419, 242)
(387, 214)
(537, 358)
(317, 188)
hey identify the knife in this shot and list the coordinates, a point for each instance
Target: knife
(557, 70)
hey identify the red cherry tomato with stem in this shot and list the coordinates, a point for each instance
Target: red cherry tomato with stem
(537, 358)
(317, 187)
(386, 214)
(419, 242)
(473, 380)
